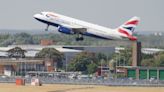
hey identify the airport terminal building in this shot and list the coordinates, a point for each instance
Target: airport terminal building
(13, 66)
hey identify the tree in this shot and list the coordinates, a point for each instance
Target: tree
(124, 57)
(162, 59)
(85, 61)
(53, 54)
(148, 62)
(102, 57)
(91, 68)
(156, 60)
(16, 52)
(23, 38)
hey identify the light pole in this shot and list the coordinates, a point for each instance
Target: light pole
(66, 62)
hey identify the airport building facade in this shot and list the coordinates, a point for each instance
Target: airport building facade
(13, 66)
(141, 73)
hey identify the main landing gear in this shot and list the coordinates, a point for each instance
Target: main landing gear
(80, 37)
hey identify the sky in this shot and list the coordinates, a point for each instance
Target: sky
(18, 14)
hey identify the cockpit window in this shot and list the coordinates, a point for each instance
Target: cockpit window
(41, 13)
(47, 15)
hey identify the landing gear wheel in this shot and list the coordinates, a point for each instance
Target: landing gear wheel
(79, 39)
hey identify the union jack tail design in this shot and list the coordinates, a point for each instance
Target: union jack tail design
(128, 27)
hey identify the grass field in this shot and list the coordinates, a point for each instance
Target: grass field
(75, 88)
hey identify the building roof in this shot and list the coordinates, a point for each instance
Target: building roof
(14, 61)
(151, 50)
(33, 49)
(143, 50)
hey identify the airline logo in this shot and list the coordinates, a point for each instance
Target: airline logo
(134, 22)
(52, 16)
(123, 32)
(128, 28)
(131, 37)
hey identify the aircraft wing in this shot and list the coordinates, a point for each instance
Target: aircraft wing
(75, 28)
(71, 26)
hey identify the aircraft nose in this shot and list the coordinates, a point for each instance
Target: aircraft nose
(36, 16)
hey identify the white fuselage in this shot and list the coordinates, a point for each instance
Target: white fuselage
(91, 28)
(55, 19)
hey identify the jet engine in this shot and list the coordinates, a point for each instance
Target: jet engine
(65, 30)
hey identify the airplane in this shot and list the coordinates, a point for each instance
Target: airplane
(80, 28)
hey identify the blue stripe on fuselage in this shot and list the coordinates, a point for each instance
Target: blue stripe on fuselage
(50, 23)
(96, 36)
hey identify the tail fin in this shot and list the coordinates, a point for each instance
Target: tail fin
(127, 29)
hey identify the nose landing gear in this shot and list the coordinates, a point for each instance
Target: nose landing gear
(47, 27)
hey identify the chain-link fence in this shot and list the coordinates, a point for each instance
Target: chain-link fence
(107, 82)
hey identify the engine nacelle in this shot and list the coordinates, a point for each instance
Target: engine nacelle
(65, 30)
